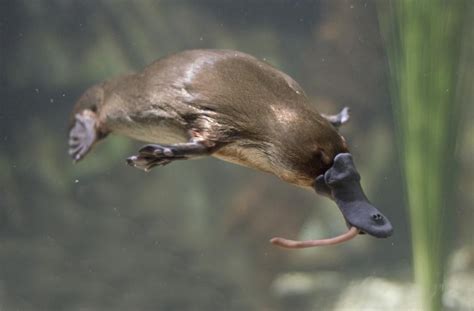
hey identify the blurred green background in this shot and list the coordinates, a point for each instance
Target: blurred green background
(194, 235)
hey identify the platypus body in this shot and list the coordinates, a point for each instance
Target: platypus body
(232, 106)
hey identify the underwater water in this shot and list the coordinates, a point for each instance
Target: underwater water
(194, 235)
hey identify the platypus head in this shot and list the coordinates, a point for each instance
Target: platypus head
(342, 183)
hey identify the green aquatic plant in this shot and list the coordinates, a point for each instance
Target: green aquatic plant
(423, 43)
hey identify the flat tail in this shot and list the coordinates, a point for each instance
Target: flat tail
(83, 134)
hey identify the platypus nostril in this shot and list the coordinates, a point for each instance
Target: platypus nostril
(377, 217)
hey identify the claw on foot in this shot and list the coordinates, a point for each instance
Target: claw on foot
(82, 135)
(146, 163)
(152, 155)
(156, 150)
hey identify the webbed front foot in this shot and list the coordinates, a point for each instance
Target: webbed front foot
(146, 163)
(152, 155)
(338, 119)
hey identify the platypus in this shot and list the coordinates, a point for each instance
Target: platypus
(237, 108)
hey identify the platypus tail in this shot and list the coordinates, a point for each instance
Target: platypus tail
(83, 134)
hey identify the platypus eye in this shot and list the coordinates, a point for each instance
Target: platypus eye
(319, 155)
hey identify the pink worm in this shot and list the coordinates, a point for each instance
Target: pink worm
(352, 233)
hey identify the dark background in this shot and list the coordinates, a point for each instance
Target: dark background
(192, 235)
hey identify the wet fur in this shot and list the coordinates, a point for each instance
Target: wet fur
(254, 114)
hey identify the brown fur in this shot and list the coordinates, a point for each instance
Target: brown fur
(256, 115)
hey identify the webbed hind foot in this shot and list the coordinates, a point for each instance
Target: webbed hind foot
(83, 134)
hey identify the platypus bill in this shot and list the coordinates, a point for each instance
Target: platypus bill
(232, 106)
